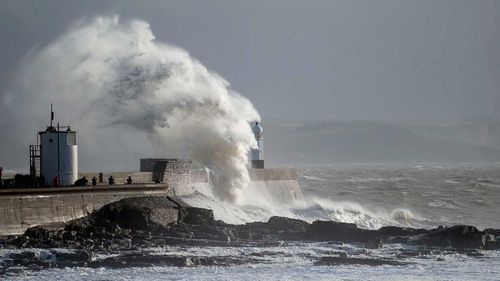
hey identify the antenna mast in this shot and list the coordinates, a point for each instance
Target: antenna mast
(51, 115)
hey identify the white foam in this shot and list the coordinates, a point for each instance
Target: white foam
(312, 178)
(132, 97)
(260, 208)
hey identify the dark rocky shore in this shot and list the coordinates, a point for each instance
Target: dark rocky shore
(130, 226)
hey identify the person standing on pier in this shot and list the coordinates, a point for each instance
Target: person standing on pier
(111, 180)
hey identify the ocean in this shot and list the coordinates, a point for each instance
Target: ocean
(425, 195)
(370, 195)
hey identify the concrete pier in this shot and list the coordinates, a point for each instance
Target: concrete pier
(21, 208)
(279, 185)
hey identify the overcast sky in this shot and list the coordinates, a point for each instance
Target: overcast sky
(384, 60)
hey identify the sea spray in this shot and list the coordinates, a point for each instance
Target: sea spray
(310, 209)
(131, 96)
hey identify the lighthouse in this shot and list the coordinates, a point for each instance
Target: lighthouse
(257, 154)
(58, 155)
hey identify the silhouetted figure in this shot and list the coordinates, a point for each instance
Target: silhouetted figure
(82, 182)
(56, 181)
(94, 181)
(1, 182)
(111, 180)
(129, 180)
(41, 180)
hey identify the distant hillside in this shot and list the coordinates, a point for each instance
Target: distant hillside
(364, 141)
(478, 132)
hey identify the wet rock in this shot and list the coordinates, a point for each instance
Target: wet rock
(45, 259)
(287, 228)
(138, 213)
(142, 260)
(492, 242)
(397, 240)
(399, 231)
(276, 224)
(407, 253)
(70, 259)
(26, 259)
(48, 257)
(492, 231)
(343, 260)
(336, 231)
(374, 244)
(254, 231)
(474, 254)
(458, 237)
(23, 258)
(198, 216)
(158, 221)
(147, 260)
(13, 271)
(43, 232)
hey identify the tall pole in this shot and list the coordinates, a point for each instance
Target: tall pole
(51, 115)
(58, 160)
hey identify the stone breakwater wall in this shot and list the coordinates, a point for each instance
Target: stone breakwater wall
(27, 207)
(21, 208)
(278, 185)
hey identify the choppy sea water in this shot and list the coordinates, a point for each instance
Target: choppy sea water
(427, 194)
(369, 195)
(293, 262)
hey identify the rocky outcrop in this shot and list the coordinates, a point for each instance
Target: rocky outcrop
(131, 225)
(155, 221)
(336, 231)
(34, 261)
(31, 260)
(147, 260)
(137, 213)
(458, 237)
(342, 260)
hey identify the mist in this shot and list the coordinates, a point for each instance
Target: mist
(130, 96)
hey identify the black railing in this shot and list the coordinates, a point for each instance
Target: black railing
(35, 161)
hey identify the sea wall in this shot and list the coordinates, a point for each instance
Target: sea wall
(23, 208)
(277, 185)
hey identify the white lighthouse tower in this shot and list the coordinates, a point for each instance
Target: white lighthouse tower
(257, 154)
(58, 155)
